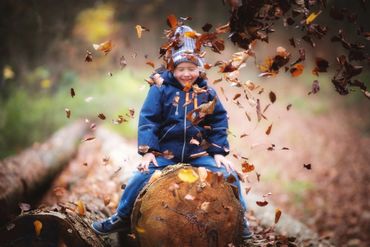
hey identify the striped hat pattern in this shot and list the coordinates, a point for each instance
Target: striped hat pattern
(186, 52)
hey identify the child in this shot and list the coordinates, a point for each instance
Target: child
(164, 127)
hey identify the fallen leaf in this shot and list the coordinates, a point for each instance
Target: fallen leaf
(188, 175)
(38, 226)
(80, 209)
(189, 197)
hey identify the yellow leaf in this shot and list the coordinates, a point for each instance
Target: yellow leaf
(140, 229)
(8, 72)
(188, 175)
(38, 226)
(80, 208)
(191, 35)
(202, 173)
(312, 17)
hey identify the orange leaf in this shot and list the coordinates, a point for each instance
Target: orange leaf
(297, 70)
(104, 47)
(38, 226)
(172, 21)
(192, 35)
(80, 208)
(150, 63)
(246, 167)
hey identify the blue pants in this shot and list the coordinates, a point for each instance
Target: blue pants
(138, 181)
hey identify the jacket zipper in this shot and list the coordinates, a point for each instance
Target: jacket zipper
(173, 126)
(186, 108)
(177, 106)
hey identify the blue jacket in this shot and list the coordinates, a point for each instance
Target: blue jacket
(163, 125)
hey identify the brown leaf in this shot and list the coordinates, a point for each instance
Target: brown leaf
(277, 215)
(261, 203)
(68, 112)
(258, 109)
(315, 87)
(88, 139)
(236, 96)
(307, 166)
(72, 92)
(88, 56)
(150, 63)
(288, 107)
(272, 97)
(268, 131)
(101, 116)
(207, 27)
(37, 226)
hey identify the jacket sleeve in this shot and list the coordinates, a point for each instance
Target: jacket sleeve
(217, 135)
(150, 120)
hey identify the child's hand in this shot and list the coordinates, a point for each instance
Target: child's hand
(220, 159)
(145, 161)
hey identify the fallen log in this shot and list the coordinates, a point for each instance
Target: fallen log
(87, 190)
(177, 208)
(27, 174)
(186, 206)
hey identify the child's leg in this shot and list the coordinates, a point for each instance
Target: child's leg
(134, 186)
(210, 163)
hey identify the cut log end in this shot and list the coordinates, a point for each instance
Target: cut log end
(187, 206)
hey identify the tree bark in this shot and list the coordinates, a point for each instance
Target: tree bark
(186, 206)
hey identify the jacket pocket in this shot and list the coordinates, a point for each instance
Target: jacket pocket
(167, 132)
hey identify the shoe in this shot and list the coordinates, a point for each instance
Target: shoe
(246, 233)
(111, 225)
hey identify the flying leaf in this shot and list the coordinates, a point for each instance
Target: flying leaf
(261, 203)
(72, 91)
(272, 97)
(172, 21)
(101, 116)
(150, 63)
(140, 29)
(68, 112)
(246, 167)
(277, 215)
(188, 175)
(315, 87)
(88, 139)
(88, 56)
(105, 47)
(268, 131)
(307, 166)
(296, 70)
(312, 17)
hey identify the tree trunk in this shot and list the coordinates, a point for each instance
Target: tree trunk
(185, 206)
(24, 176)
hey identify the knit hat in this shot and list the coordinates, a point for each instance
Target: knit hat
(185, 53)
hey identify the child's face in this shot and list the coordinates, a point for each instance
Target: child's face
(186, 73)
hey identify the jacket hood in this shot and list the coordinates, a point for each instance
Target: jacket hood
(169, 78)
